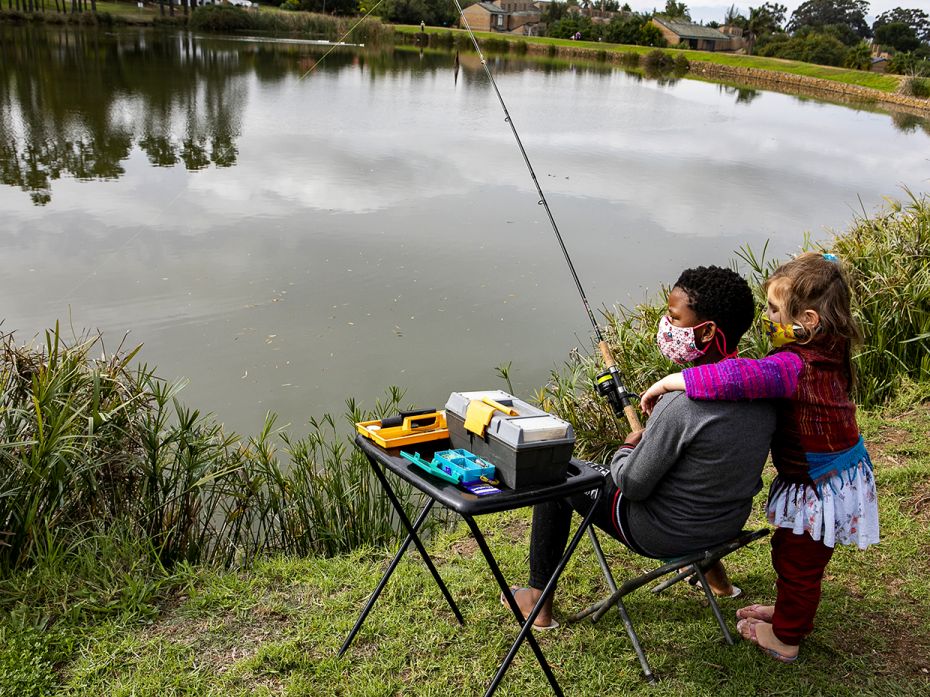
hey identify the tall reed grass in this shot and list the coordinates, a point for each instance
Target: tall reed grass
(888, 258)
(90, 444)
(225, 18)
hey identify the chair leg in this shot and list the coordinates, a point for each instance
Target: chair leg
(713, 603)
(628, 625)
(601, 560)
(621, 608)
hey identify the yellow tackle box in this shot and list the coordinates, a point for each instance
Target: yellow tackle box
(413, 428)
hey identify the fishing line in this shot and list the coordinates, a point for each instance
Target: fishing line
(333, 47)
(609, 384)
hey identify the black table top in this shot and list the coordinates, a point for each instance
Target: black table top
(579, 478)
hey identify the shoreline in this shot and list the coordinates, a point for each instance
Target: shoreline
(786, 82)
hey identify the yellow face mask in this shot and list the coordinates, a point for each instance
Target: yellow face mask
(780, 334)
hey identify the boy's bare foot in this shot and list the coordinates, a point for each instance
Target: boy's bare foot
(756, 612)
(526, 599)
(762, 635)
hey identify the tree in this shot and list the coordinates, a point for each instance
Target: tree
(818, 14)
(766, 19)
(859, 57)
(898, 36)
(625, 29)
(918, 20)
(676, 10)
(733, 16)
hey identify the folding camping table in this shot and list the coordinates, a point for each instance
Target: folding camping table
(579, 478)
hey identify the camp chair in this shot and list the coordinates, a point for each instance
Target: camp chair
(690, 566)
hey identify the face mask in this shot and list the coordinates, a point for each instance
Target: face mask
(678, 343)
(780, 334)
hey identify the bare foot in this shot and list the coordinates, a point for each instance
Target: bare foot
(526, 599)
(756, 612)
(762, 635)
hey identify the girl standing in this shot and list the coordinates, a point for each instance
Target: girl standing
(824, 491)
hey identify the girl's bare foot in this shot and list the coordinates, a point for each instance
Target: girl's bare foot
(756, 612)
(762, 635)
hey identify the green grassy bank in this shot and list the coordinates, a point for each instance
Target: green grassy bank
(268, 19)
(144, 550)
(276, 628)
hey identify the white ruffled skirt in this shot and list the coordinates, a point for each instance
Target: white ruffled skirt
(846, 512)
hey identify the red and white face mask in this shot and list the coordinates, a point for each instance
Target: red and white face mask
(679, 343)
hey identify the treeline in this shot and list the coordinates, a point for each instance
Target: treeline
(835, 32)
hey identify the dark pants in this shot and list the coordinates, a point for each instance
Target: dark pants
(552, 522)
(799, 562)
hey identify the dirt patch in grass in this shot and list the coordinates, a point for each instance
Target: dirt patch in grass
(516, 530)
(906, 650)
(222, 640)
(918, 504)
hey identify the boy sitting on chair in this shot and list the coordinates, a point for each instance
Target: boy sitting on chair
(687, 482)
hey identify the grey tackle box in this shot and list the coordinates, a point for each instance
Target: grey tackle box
(533, 447)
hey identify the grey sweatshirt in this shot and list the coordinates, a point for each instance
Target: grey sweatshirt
(690, 482)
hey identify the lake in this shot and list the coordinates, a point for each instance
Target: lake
(287, 231)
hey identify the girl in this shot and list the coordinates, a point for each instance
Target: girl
(824, 491)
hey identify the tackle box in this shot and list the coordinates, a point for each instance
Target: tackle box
(408, 428)
(527, 445)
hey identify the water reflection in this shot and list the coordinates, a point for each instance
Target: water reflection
(179, 99)
(379, 226)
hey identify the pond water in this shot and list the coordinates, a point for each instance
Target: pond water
(287, 239)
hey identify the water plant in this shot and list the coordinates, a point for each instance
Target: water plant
(89, 444)
(888, 257)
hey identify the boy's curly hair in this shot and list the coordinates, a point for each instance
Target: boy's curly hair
(722, 296)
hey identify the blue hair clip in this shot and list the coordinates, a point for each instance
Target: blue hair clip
(832, 257)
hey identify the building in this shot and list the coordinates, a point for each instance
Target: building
(697, 36)
(505, 16)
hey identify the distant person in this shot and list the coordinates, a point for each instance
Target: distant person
(422, 27)
(687, 482)
(824, 492)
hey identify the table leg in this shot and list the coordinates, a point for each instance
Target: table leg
(526, 629)
(387, 574)
(416, 540)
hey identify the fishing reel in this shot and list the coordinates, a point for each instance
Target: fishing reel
(609, 386)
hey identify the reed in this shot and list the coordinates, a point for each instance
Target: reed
(91, 444)
(888, 257)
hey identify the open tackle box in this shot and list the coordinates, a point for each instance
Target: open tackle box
(526, 444)
(407, 428)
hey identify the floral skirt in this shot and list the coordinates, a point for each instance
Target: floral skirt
(845, 511)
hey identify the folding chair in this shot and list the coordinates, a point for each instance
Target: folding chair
(681, 568)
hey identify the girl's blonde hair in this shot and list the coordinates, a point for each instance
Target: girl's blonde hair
(811, 281)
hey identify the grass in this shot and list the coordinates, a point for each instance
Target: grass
(276, 628)
(861, 78)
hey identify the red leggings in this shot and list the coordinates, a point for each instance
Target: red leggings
(799, 562)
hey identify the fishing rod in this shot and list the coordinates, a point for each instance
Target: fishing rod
(609, 383)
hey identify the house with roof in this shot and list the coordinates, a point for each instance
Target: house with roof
(696, 36)
(505, 16)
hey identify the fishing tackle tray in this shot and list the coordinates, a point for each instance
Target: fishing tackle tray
(531, 447)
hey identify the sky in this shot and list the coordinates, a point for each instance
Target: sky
(715, 9)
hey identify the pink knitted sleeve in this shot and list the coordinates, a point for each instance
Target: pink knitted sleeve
(745, 378)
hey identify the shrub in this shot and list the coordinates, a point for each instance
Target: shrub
(915, 87)
(90, 444)
(221, 18)
(657, 61)
(291, 5)
(888, 257)
(682, 64)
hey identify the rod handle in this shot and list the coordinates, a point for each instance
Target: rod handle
(608, 359)
(631, 417)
